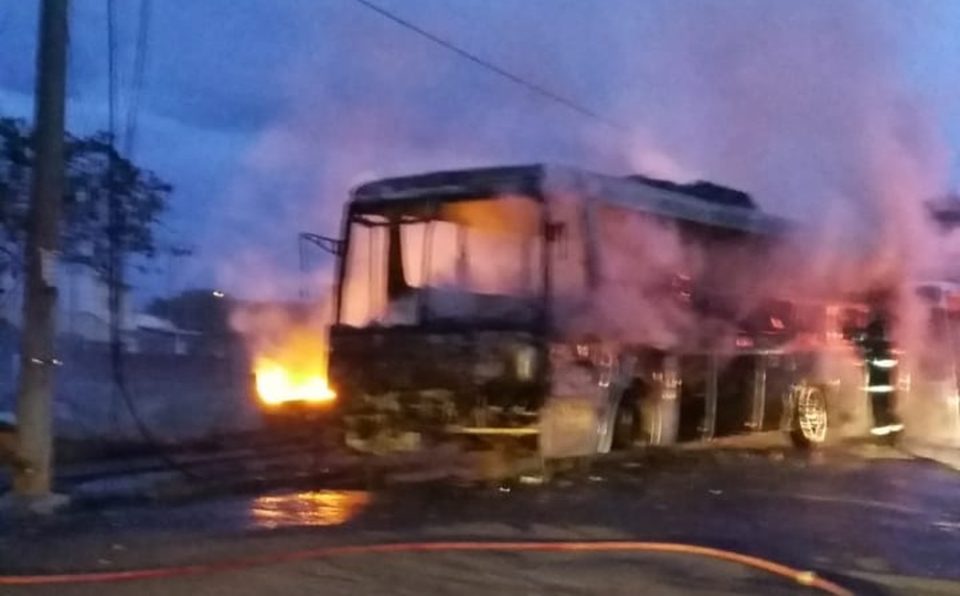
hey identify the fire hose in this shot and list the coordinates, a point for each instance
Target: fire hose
(803, 578)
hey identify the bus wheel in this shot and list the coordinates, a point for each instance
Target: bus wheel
(810, 422)
(626, 424)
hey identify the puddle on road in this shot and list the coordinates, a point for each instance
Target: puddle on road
(308, 508)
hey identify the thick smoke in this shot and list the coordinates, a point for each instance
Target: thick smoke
(807, 106)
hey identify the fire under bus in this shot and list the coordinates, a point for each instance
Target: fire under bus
(585, 312)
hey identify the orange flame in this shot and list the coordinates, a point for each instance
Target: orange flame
(277, 385)
(295, 372)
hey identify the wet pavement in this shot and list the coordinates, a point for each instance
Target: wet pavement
(847, 517)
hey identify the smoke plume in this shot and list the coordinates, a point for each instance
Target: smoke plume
(807, 106)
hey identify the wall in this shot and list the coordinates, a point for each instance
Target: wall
(178, 397)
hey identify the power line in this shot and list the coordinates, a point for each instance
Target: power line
(114, 263)
(535, 88)
(115, 269)
(139, 66)
(111, 70)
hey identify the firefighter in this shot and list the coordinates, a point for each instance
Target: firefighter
(881, 364)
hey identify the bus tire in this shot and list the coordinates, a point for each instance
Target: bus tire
(810, 421)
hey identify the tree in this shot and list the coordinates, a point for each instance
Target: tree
(86, 230)
(15, 165)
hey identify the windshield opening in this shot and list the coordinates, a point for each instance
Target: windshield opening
(468, 260)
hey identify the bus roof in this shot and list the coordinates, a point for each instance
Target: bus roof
(700, 202)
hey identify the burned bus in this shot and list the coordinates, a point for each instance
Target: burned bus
(586, 312)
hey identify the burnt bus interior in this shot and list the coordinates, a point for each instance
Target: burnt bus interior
(433, 264)
(440, 311)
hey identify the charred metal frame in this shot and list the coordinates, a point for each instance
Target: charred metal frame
(424, 194)
(522, 180)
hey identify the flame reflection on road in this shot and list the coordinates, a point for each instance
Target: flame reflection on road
(309, 508)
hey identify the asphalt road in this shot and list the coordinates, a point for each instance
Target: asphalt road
(874, 525)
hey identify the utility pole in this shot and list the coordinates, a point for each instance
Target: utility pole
(37, 360)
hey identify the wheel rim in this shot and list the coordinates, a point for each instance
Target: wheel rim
(812, 414)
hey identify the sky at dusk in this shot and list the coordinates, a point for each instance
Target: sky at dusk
(263, 113)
